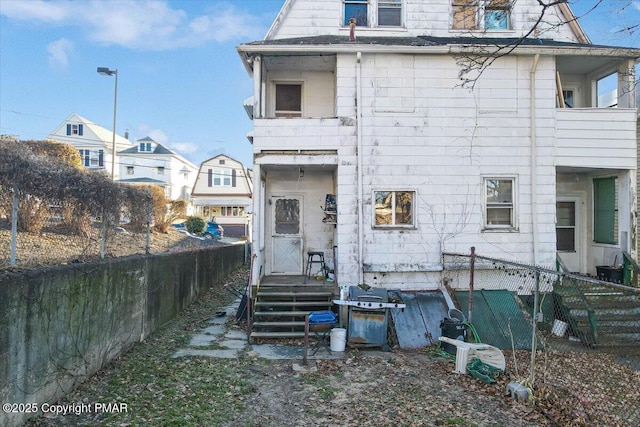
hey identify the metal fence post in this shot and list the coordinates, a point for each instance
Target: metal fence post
(14, 226)
(472, 264)
(103, 234)
(536, 299)
(147, 249)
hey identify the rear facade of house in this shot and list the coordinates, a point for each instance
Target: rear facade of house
(372, 145)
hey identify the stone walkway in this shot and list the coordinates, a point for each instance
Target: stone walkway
(223, 338)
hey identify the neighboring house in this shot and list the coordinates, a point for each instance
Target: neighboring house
(94, 142)
(149, 162)
(526, 166)
(222, 193)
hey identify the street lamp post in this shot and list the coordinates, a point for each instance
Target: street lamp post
(104, 71)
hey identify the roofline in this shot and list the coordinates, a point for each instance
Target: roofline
(275, 25)
(246, 51)
(572, 20)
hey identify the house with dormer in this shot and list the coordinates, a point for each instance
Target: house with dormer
(151, 163)
(223, 193)
(94, 142)
(367, 103)
(145, 162)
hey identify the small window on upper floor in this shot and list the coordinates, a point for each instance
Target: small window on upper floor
(367, 13)
(289, 100)
(145, 147)
(357, 9)
(160, 170)
(481, 14)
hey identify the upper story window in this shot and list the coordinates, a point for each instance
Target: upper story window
(220, 178)
(499, 203)
(481, 14)
(75, 129)
(129, 170)
(289, 100)
(160, 170)
(145, 147)
(381, 13)
(394, 208)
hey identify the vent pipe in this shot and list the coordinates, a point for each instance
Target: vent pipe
(352, 29)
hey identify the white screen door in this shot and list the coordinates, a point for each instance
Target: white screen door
(287, 235)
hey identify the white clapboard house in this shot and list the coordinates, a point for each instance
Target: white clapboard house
(523, 162)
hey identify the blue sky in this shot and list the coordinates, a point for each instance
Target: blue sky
(180, 80)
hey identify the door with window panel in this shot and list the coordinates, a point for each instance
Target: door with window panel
(286, 253)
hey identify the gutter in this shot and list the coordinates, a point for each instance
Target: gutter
(246, 50)
(360, 163)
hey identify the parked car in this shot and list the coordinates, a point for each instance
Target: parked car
(212, 231)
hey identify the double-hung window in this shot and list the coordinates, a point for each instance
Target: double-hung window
(481, 14)
(219, 178)
(92, 158)
(394, 208)
(367, 13)
(74, 129)
(499, 203)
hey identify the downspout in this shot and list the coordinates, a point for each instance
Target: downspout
(359, 154)
(534, 215)
(534, 157)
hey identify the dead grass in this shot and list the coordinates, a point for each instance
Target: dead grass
(401, 388)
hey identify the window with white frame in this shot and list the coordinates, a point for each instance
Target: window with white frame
(92, 158)
(160, 170)
(219, 177)
(394, 208)
(481, 14)
(288, 100)
(499, 203)
(129, 170)
(381, 13)
(145, 147)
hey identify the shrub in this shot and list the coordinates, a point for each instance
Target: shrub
(195, 225)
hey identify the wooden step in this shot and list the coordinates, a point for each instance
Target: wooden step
(293, 304)
(295, 294)
(292, 324)
(280, 313)
(277, 334)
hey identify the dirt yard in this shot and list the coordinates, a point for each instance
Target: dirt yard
(400, 388)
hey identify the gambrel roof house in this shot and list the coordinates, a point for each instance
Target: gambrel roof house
(149, 162)
(222, 193)
(94, 142)
(364, 103)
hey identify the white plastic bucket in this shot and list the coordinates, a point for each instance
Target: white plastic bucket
(338, 339)
(559, 328)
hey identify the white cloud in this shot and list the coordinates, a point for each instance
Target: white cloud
(185, 147)
(143, 25)
(59, 51)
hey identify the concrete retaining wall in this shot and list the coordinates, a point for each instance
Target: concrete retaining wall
(60, 325)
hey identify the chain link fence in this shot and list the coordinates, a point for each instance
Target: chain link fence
(563, 335)
(62, 238)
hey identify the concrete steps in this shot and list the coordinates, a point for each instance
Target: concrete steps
(600, 314)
